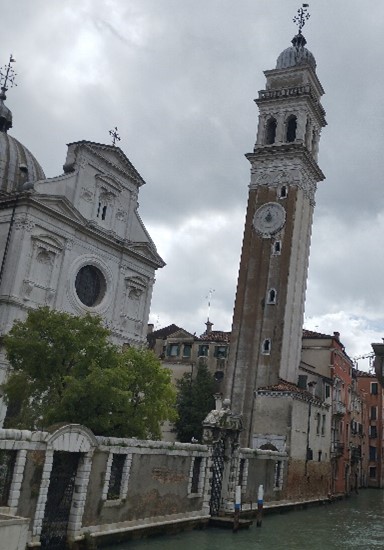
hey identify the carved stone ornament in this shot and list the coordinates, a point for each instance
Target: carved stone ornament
(24, 223)
(269, 219)
(27, 288)
(135, 293)
(107, 196)
(121, 215)
(87, 194)
(49, 295)
(45, 257)
(219, 421)
(264, 178)
(135, 287)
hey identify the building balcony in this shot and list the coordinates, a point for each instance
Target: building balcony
(339, 408)
(337, 449)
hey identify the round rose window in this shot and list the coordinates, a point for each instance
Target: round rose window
(90, 285)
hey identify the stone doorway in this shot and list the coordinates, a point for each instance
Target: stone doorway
(59, 500)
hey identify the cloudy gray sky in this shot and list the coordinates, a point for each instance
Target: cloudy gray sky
(178, 78)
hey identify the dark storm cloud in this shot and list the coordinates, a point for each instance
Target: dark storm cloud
(178, 78)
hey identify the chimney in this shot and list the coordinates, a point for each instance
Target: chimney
(150, 328)
(209, 326)
(336, 336)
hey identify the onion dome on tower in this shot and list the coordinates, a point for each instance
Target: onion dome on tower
(17, 164)
(297, 54)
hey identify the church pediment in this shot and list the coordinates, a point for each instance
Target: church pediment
(110, 155)
(146, 250)
(48, 242)
(60, 205)
(109, 182)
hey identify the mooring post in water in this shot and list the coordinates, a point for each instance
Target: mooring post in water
(260, 503)
(236, 517)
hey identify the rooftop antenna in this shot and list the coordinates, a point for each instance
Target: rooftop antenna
(157, 322)
(7, 77)
(209, 298)
(209, 325)
(115, 135)
(301, 17)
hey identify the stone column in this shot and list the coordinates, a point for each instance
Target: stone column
(221, 431)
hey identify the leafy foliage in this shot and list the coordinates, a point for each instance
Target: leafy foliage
(64, 369)
(194, 401)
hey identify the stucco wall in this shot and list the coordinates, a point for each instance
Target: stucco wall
(160, 483)
(307, 480)
(30, 485)
(157, 486)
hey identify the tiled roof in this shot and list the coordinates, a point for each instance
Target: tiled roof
(284, 386)
(162, 333)
(216, 336)
(313, 334)
(362, 373)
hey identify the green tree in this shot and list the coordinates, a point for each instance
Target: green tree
(194, 401)
(130, 399)
(64, 369)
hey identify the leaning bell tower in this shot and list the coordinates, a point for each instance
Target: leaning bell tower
(270, 297)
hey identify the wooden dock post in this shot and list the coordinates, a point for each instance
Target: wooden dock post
(260, 504)
(236, 518)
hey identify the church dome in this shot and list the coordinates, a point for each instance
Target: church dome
(5, 115)
(17, 164)
(297, 54)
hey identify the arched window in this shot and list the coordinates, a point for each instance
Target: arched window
(266, 349)
(276, 248)
(283, 192)
(272, 295)
(101, 210)
(270, 131)
(291, 128)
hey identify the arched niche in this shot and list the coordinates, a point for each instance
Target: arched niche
(291, 128)
(270, 131)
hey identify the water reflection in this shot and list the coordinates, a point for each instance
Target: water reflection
(357, 522)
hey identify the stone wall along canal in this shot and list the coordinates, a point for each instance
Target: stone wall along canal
(353, 523)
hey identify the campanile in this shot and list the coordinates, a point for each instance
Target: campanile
(269, 306)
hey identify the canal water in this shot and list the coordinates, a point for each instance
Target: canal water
(356, 523)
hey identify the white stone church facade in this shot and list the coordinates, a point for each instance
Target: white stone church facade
(75, 242)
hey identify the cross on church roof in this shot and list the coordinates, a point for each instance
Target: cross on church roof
(301, 17)
(115, 135)
(7, 76)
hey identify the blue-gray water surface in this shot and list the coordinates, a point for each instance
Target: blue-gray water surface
(356, 523)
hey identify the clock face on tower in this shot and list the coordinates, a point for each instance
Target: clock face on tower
(269, 218)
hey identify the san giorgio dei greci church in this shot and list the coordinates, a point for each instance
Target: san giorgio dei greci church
(75, 242)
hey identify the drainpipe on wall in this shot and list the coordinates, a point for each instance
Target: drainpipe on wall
(308, 432)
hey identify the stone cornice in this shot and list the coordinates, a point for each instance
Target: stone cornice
(109, 238)
(95, 148)
(287, 152)
(291, 94)
(298, 69)
(293, 395)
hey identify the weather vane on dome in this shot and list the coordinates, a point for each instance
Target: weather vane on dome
(301, 17)
(115, 135)
(7, 76)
